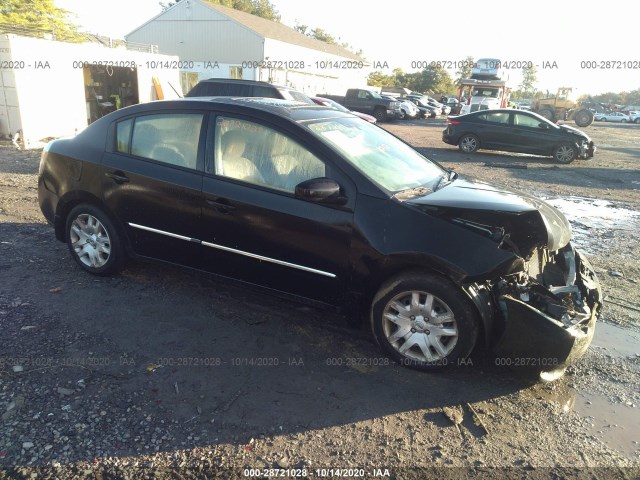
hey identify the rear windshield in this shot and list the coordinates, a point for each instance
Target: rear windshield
(295, 95)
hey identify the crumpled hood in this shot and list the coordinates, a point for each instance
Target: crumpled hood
(530, 222)
(574, 131)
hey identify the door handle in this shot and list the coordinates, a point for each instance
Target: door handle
(222, 205)
(117, 176)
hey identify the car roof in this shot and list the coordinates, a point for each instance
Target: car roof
(244, 82)
(294, 110)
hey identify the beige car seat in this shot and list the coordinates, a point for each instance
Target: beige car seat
(234, 164)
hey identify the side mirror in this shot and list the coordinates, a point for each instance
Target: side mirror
(320, 190)
(543, 125)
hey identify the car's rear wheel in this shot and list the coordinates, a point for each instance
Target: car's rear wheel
(423, 321)
(565, 153)
(469, 143)
(93, 240)
(637, 120)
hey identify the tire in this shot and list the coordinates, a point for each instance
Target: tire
(603, 119)
(637, 120)
(380, 114)
(623, 121)
(419, 339)
(469, 143)
(93, 240)
(583, 118)
(565, 153)
(403, 115)
(548, 114)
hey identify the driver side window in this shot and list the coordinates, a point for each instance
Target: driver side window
(257, 154)
(525, 121)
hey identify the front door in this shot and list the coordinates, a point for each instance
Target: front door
(256, 230)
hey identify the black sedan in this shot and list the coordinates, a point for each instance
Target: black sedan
(517, 131)
(316, 205)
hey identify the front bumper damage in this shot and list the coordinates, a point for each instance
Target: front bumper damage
(549, 313)
(586, 150)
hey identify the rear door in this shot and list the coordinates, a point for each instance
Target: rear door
(495, 131)
(152, 181)
(255, 229)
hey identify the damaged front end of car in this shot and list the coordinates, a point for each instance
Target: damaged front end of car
(546, 305)
(548, 311)
(540, 300)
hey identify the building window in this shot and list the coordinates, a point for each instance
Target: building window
(236, 73)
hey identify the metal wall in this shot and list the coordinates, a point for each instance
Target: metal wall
(196, 33)
(45, 96)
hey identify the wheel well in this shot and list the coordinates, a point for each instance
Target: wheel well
(68, 203)
(478, 296)
(470, 133)
(385, 273)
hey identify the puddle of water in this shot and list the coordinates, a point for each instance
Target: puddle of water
(591, 218)
(618, 342)
(616, 424)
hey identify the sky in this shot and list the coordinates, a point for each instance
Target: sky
(579, 42)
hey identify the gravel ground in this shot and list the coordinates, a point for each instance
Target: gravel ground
(164, 373)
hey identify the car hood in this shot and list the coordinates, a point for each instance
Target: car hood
(528, 221)
(575, 131)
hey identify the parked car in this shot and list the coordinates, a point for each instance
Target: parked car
(517, 131)
(369, 102)
(316, 205)
(424, 112)
(226, 87)
(443, 109)
(327, 102)
(408, 109)
(524, 105)
(634, 117)
(612, 117)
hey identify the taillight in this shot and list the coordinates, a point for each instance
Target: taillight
(453, 122)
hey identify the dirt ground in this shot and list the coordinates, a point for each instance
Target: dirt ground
(165, 373)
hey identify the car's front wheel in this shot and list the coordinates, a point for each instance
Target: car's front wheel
(565, 153)
(424, 321)
(380, 114)
(93, 240)
(469, 143)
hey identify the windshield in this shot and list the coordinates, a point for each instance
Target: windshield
(485, 92)
(385, 160)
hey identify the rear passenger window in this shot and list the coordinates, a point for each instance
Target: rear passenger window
(123, 136)
(498, 117)
(169, 138)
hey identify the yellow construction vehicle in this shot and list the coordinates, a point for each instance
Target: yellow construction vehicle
(563, 107)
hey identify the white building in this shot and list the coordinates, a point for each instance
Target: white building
(54, 89)
(216, 41)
